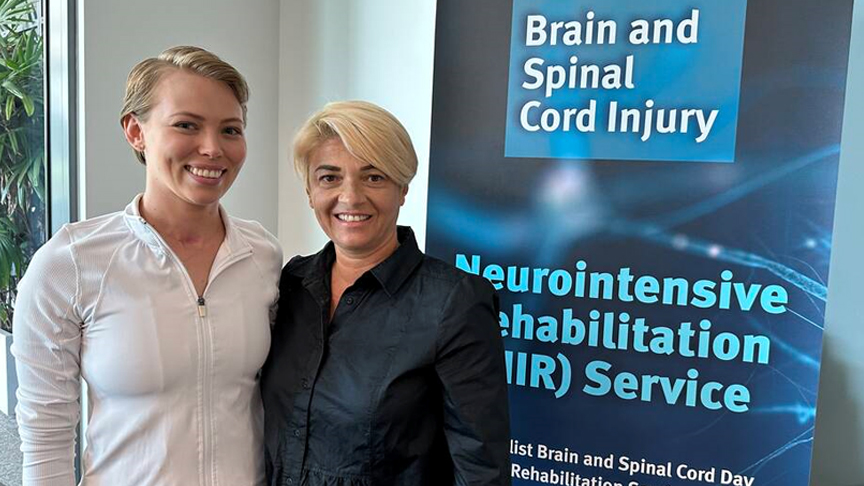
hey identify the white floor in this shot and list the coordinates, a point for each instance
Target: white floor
(10, 452)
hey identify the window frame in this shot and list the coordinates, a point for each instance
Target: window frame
(61, 92)
(61, 137)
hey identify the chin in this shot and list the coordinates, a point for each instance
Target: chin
(351, 246)
(203, 199)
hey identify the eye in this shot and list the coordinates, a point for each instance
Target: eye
(377, 178)
(184, 125)
(327, 178)
(233, 131)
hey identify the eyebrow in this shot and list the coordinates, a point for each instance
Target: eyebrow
(333, 168)
(201, 118)
(189, 114)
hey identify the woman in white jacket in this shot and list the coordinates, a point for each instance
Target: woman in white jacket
(163, 308)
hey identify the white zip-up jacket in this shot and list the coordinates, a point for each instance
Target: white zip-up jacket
(172, 376)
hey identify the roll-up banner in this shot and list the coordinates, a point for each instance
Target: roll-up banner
(650, 186)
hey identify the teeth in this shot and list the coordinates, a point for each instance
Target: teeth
(210, 174)
(353, 218)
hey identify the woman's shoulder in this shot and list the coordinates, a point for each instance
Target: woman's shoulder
(299, 262)
(77, 249)
(302, 267)
(89, 236)
(453, 279)
(433, 267)
(465, 301)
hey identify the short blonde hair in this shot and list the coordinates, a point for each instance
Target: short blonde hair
(368, 132)
(145, 76)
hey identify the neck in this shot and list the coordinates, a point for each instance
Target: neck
(353, 265)
(181, 221)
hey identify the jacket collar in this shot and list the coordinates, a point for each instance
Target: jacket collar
(235, 243)
(390, 273)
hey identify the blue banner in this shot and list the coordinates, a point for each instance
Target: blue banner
(662, 319)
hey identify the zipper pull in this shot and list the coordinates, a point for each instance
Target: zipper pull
(202, 309)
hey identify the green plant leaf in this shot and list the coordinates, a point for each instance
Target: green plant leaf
(22, 171)
(13, 66)
(13, 88)
(28, 105)
(10, 108)
(13, 137)
(10, 253)
(35, 170)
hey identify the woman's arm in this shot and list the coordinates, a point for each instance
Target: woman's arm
(46, 346)
(470, 365)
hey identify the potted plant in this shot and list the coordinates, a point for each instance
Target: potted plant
(22, 174)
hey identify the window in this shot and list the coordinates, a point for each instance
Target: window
(37, 163)
(23, 174)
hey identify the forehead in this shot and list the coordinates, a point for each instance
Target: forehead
(180, 90)
(333, 154)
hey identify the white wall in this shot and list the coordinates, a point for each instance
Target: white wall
(114, 35)
(377, 50)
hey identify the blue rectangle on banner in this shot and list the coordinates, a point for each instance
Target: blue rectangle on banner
(627, 80)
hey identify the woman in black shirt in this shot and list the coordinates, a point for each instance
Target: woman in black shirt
(386, 365)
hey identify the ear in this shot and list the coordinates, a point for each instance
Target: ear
(404, 193)
(134, 132)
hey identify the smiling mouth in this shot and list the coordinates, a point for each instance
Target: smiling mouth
(206, 173)
(352, 218)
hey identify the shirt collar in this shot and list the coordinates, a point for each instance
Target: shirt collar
(234, 242)
(395, 269)
(390, 274)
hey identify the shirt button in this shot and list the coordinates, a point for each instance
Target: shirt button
(296, 432)
(349, 300)
(290, 481)
(305, 383)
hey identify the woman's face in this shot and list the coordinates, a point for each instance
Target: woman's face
(355, 203)
(193, 139)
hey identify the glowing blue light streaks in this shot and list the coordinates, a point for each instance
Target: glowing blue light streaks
(809, 321)
(802, 391)
(802, 438)
(791, 350)
(708, 249)
(711, 205)
(803, 413)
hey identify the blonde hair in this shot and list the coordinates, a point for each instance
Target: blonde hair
(368, 132)
(145, 76)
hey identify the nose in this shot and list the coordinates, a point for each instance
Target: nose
(210, 144)
(351, 193)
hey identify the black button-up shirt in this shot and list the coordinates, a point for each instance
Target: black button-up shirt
(405, 385)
